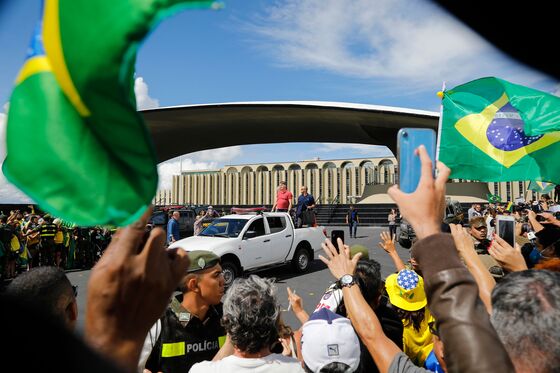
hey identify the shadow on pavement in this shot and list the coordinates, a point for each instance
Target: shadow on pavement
(286, 272)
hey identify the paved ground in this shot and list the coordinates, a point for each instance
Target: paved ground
(309, 286)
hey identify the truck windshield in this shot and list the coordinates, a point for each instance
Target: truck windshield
(224, 228)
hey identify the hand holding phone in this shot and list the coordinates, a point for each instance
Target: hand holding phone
(410, 168)
(506, 228)
(335, 234)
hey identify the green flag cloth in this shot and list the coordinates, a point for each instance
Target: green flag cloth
(541, 187)
(483, 138)
(493, 198)
(75, 142)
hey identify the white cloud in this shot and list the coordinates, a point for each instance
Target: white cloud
(369, 150)
(211, 159)
(221, 155)
(8, 192)
(173, 167)
(402, 44)
(143, 99)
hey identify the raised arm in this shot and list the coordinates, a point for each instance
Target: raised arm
(365, 322)
(471, 343)
(388, 244)
(297, 306)
(129, 289)
(465, 247)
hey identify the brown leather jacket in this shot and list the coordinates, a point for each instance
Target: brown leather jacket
(471, 343)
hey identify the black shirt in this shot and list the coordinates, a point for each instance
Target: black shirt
(186, 340)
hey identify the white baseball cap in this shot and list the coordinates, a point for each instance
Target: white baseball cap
(329, 338)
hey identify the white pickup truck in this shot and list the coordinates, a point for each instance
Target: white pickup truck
(256, 242)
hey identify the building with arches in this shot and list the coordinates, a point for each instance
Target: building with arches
(330, 181)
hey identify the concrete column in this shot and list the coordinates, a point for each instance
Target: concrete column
(353, 182)
(267, 181)
(236, 183)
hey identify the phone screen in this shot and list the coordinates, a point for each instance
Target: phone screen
(506, 230)
(410, 168)
(337, 234)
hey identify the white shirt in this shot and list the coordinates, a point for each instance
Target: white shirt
(273, 363)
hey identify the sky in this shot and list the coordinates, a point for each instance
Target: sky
(379, 52)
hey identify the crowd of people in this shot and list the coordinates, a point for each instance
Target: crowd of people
(29, 240)
(465, 301)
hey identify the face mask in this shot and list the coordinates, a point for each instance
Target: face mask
(535, 256)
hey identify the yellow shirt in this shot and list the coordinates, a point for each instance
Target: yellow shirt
(418, 344)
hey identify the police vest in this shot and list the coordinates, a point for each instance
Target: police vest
(185, 340)
(48, 230)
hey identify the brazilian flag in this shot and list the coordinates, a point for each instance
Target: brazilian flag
(541, 187)
(75, 142)
(493, 198)
(483, 132)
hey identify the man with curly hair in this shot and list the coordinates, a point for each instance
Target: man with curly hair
(251, 313)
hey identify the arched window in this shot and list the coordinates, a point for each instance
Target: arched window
(244, 187)
(330, 169)
(369, 172)
(313, 169)
(386, 171)
(261, 172)
(348, 169)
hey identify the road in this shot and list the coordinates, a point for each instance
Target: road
(310, 285)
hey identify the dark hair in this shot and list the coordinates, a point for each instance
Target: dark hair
(43, 286)
(526, 316)
(368, 273)
(413, 318)
(251, 313)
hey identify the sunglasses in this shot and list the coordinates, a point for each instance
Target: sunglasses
(75, 290)
(480, 228)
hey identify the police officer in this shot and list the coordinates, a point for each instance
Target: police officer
(189, 331)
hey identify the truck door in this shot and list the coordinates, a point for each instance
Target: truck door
(254, 245)
(281, 237)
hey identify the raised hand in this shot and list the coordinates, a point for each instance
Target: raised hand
(387, 243)
(339, 263)
(424, 208)
(129, 289)
(509, 258)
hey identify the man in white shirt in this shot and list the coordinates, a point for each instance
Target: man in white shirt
(251, 313)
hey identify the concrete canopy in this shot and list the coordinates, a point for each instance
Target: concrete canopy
(185, 129)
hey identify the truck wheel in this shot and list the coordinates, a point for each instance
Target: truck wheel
(405, 243)
(301, 260)
(230, 272)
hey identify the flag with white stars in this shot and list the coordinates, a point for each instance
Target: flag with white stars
(493, 130)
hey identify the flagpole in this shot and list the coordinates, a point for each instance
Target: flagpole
(440, 95)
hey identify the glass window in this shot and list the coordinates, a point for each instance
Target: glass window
(224, 227)
(276, 223)
(257, 226)
(158, 218)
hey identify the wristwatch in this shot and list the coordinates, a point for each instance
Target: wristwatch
(346, 281)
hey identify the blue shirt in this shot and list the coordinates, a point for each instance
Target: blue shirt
(303, 202)
(352, 216)
(172, 230)
(432, 363)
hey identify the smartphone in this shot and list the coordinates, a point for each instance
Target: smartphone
(410, 168)
(337, 234)
(506, 229)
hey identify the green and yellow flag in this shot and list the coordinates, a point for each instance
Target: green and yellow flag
(493, 198)
(483, 133)
(75, 142)
(541, 187)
